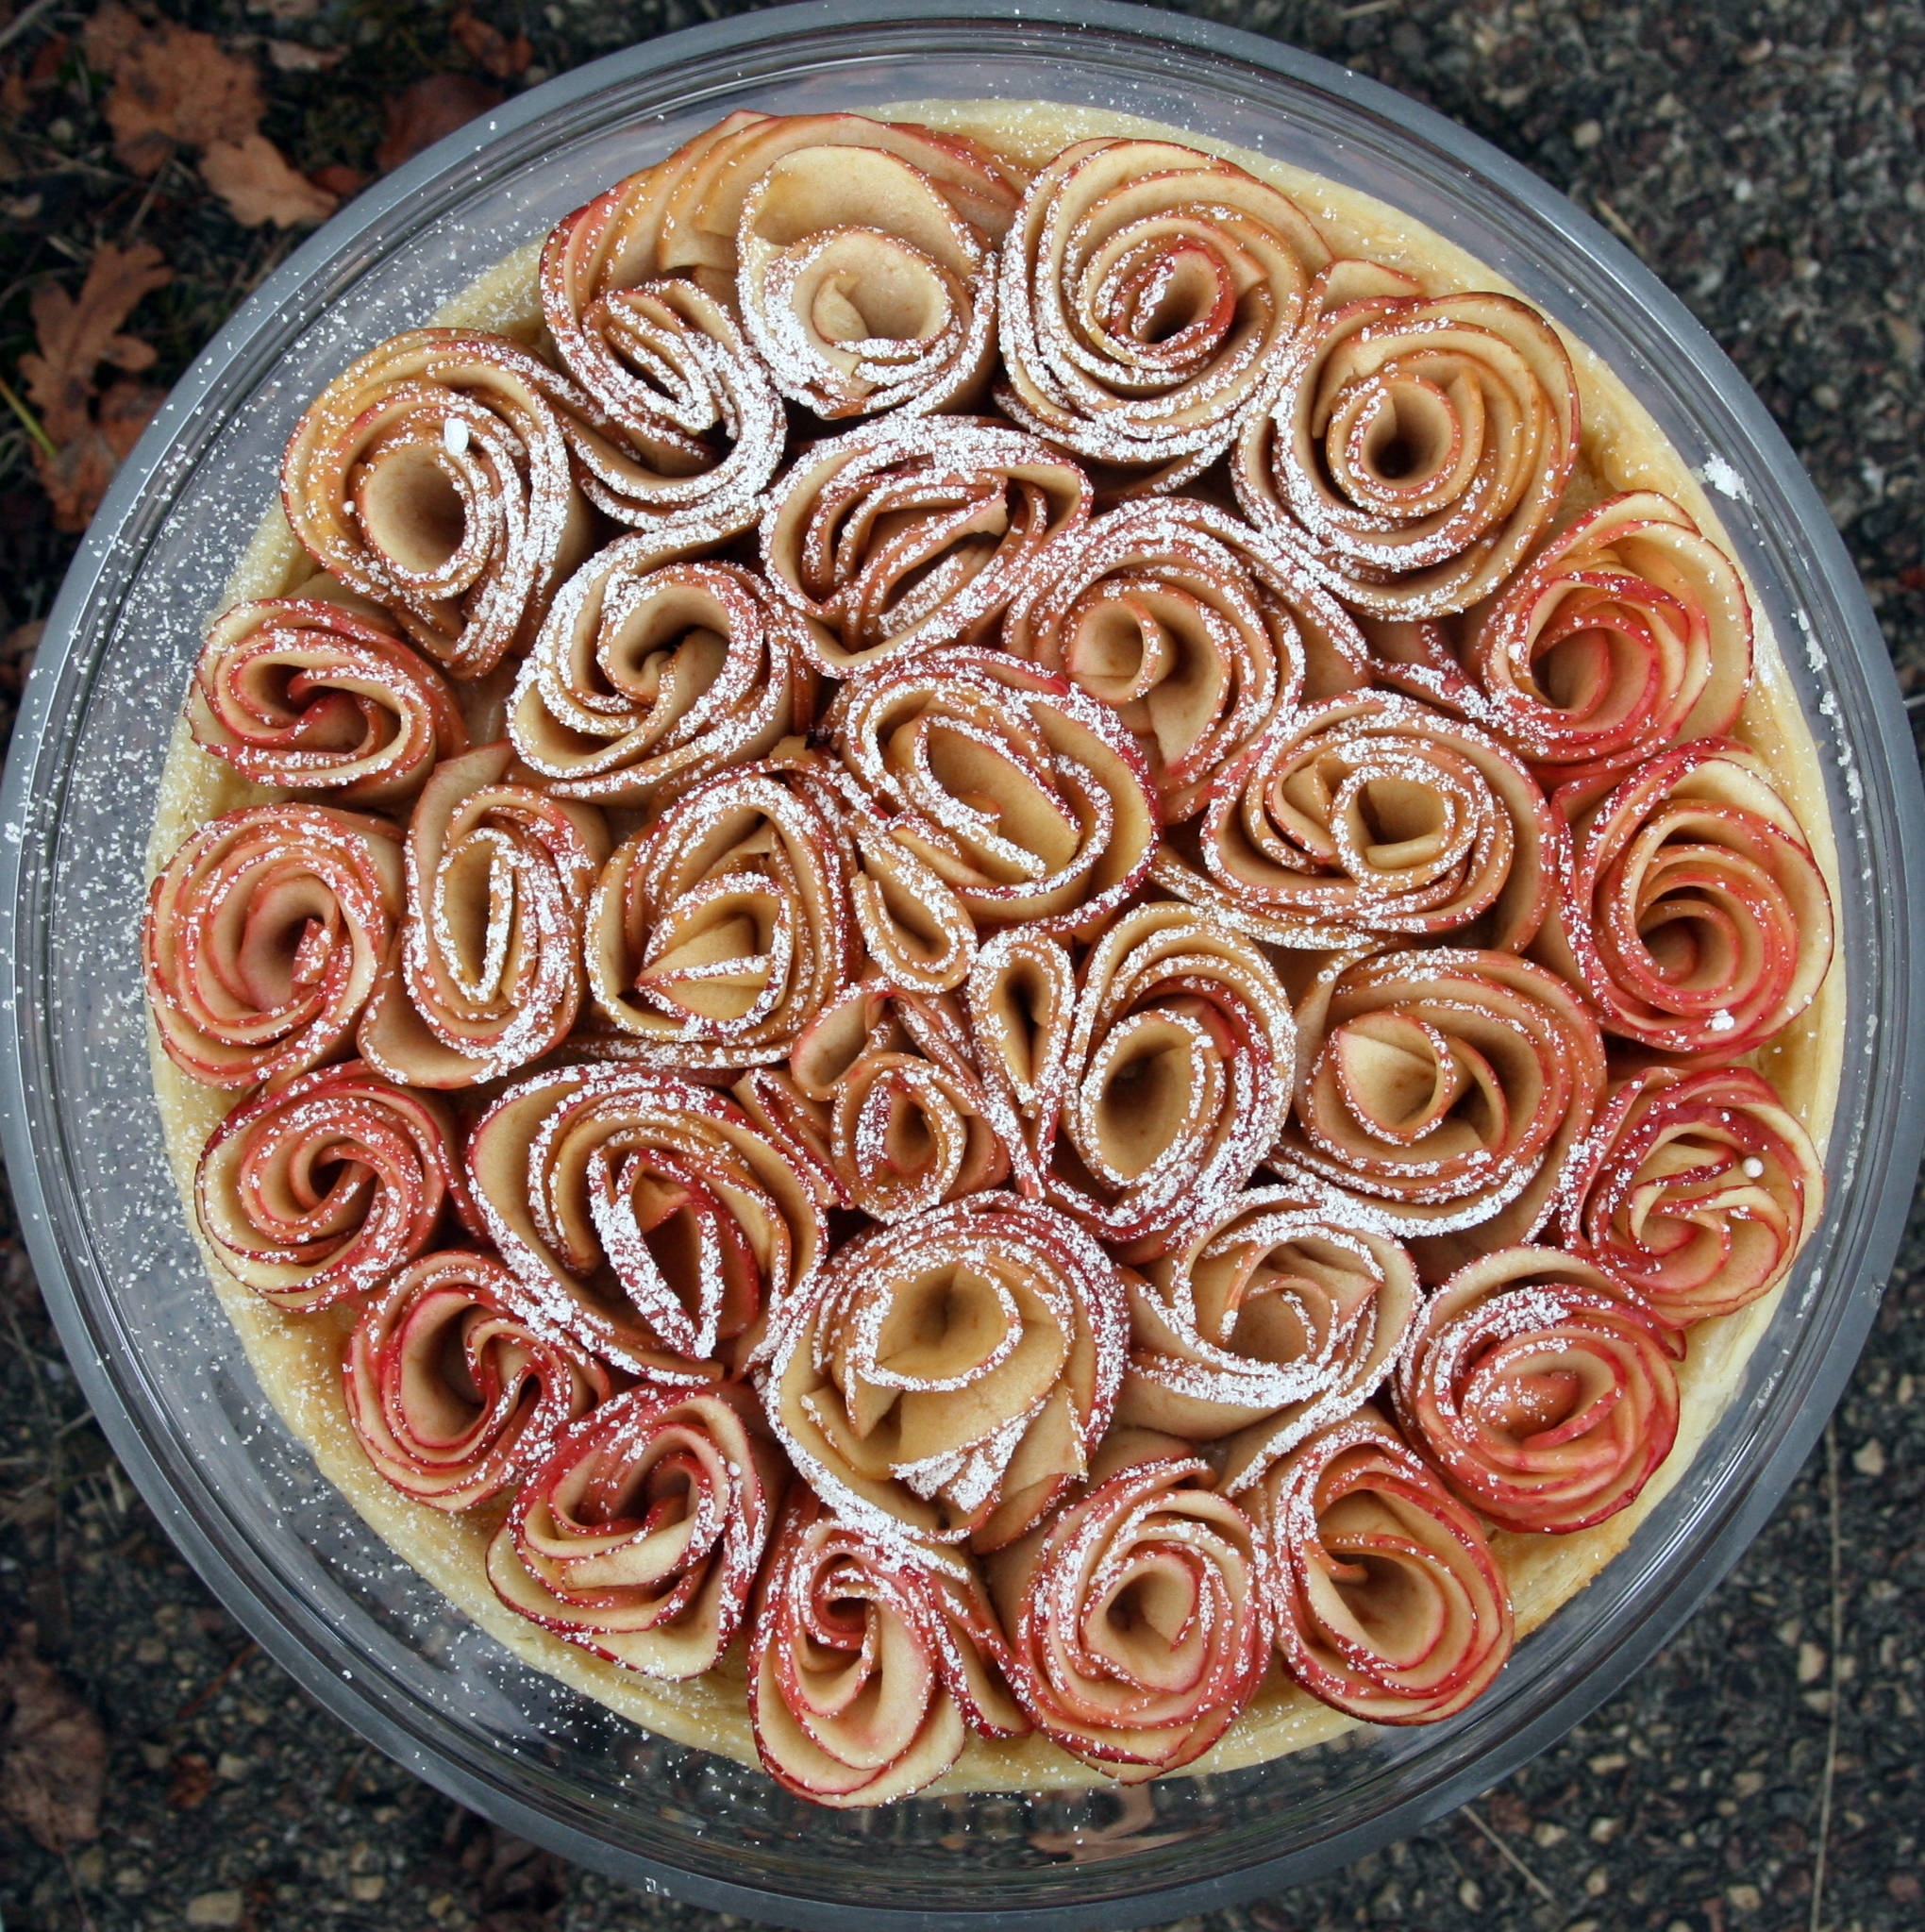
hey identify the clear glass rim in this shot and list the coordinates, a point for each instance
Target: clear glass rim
(1865, 1227)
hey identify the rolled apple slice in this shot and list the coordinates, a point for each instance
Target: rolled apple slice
(1148, 293)
(1629, 633)
(453, 1391)
(871, 1664)
(1155, 611)
(639, 1537)
(1443, 1091)
(433, 475)
(486, 973)
(902, 1108)
(1270, 1324)
(720, 930)
(1024, 795)
(1137, 1619)
(1415, 448)
(311, 694)
(1542, 1389)
(262, 937)
(1173, 1081)
(649, 675)
(649, 1218)
(949, 1377)
(914, 926)
(893, 539)
(316, 1192)
(1387, 1602)
(701, 428)
(1694, 1186)
(1695, 914)
(1373, 814)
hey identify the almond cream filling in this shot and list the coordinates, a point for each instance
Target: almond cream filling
(298, 1359)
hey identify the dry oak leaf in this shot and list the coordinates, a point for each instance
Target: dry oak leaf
(256, 184)
(422, 114)
(491, 49)
(53, 1753)
(75, 477)
(77, 333)
(171, 84)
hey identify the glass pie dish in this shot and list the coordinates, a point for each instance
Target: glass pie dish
(355, 1624)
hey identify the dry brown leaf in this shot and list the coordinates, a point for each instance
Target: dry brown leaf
(171, 85)
(77, 335)
(52, 1754)
(339, 179)
(253, 178)
(489, 47)
(77, 476)
(422, 114)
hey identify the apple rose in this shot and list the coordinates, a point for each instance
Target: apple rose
(1541, 1389)
(1167, 1087)
(949, 1376)
(1147, 291)
(720, 930)
(262, 937)
(870, 1663)
(647, 674)
(897, 1106)
(1372, 815)
(1694, 1186)
(486, 974)
(1155, 610)
(1443, 1090)
(1388, 1604)
(451, 1389)
(307, 694)
(1136, 1618)
(699, 429)
(655, 1224)
(1024, 795)
(1269, 1323)
(318, 1191)
(639, 1537)
(893, 539)
(1695, 914)
(1630, 633)
(433, 475)
(1415, 448)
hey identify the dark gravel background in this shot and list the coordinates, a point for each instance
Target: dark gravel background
(1766, 159)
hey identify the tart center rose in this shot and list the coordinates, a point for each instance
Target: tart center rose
(949, 1376)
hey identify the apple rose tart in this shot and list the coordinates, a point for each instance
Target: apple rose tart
(949, 1084)
(451, 1387)
(311, 694)
(1386, 1599)
(872, 1663)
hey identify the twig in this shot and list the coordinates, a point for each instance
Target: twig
(209, 1689)
(1831, 1773)
(28, 421)
(1626, 233)
(79, 1900)
(21, 21)
(1511, 1859)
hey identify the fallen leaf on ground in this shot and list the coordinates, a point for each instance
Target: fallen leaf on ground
(422, 114)
(339, 179)
(253, 180)
(172, 85)
(489, 47)
(90, 439)
(53, 1753)
(77, 334)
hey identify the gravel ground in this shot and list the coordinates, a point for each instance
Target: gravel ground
(1765, 159)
